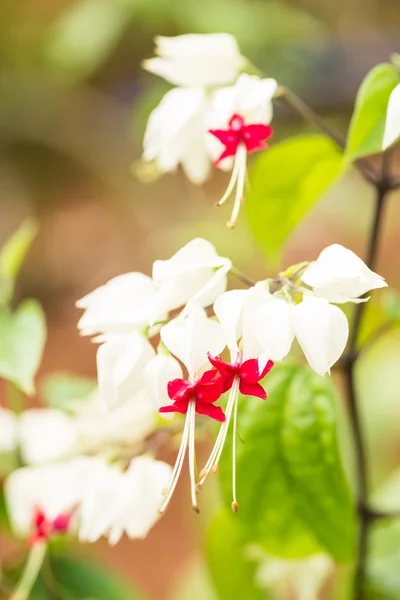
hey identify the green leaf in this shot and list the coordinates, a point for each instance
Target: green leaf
(80, 580)
(367, 124)
(12, 255)
(293, 495)
(62, 390)
(84, 36)
(232, 573)
(22, 335)
(285, 183)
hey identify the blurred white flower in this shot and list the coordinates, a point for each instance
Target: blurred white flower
(196, 273)
(392, 125)
(121, 361)
(176, 133)
(46, 435)
(158, 372)
(8, 430)
(339, 275)
(126, 303)
(52, 489)
(196, 60)
(128, 424)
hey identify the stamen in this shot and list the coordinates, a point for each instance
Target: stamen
(192, 455)
(178, 463)
(231, 183)
(240, 160)
(235, 505)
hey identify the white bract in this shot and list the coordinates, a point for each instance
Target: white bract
(158, 372)
(392, 125)
(46, 435)
(196, 60)
(8, 430)
(196, 273)
(121, 361)
(176, 133)
(339, 275)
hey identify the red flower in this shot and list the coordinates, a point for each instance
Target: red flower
(248, 373)
(205, 392)
(253, 136)
(44, 528)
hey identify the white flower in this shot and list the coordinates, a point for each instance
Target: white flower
(121, 361)
(176, 133)
(392, 126)
(46, 435)
(273, 326)
(193, 274)
(145, 482)
(321, 330)
(8, 430)
(128, 424)
(53, 489)
(191, 337)
(196, 60)
(158, 372)
(340, 276)
(126, 303)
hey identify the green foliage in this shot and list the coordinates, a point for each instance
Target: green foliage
(12, 255)
(22, 335)
(63, 390)
(232, 573)
(84, 36)
(293, 495)
(285, 183)
(369, 117)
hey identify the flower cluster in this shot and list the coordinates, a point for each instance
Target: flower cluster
(218, 113)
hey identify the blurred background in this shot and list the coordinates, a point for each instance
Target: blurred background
(73, 108)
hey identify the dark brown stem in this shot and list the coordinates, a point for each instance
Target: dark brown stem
(366, 514)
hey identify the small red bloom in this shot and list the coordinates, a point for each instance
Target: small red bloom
(44, 529)
(205, 392)
(248, 373)
(253, 136)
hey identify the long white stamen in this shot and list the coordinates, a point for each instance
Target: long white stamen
(178, 463)
(215, 455)
(241, 159)
(192, 455)
(235, 505)
(231, 183)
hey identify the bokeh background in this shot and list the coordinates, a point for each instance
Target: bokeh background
(73, 108)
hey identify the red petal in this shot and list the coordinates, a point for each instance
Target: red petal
(61, 523)
(225, 369)
(227, 137)
(249, 371)
(236, 122)
(178, 389)
(266, 369)
(210, 392)
(252, 389)
(229, 151)
(210, 410)
(180, 407)
(207, 376)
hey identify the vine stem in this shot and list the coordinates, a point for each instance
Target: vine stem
(366, 515)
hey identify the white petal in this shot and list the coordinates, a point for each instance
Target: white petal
(126, 303)
(120, 365)
(339, 275)
(392, 126)
(191, 337)
(195, 272)
(321, 330)
(228, 308)
(146, 479)
(46, 435)
(197, 59)
(273, 328)
(159, 371)
(8, 430)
